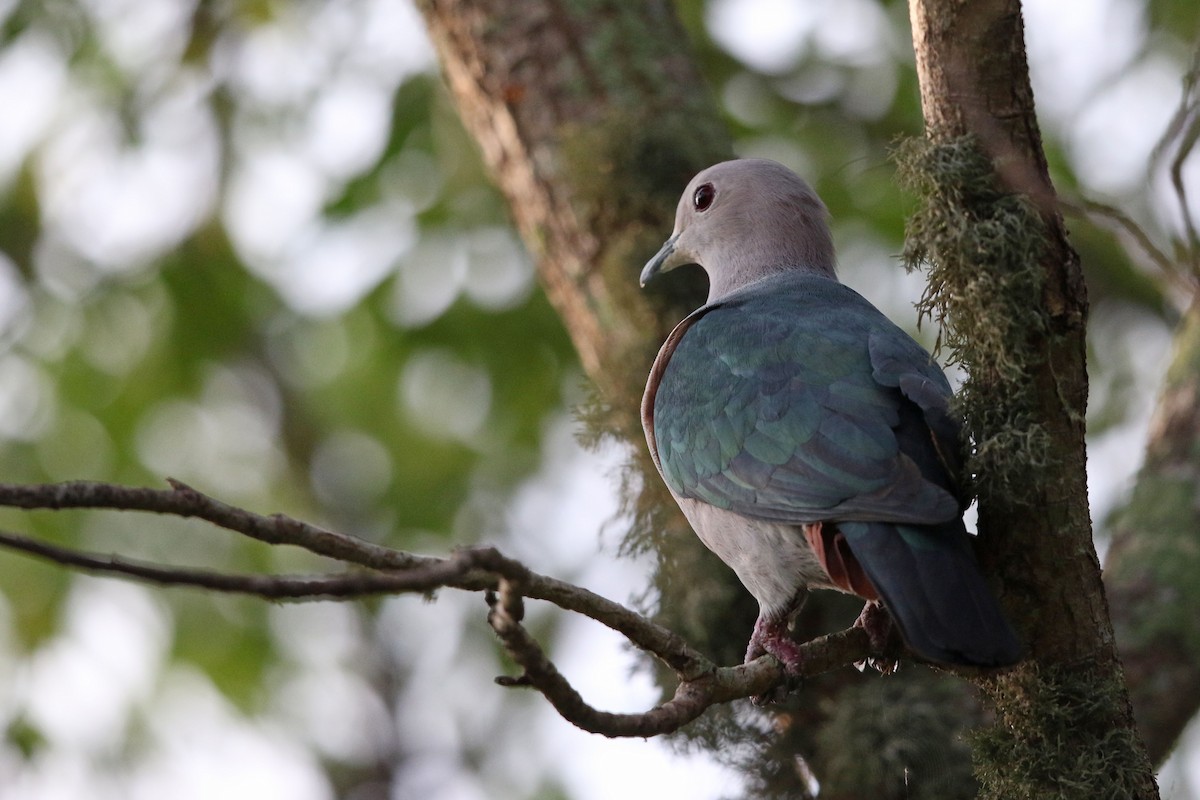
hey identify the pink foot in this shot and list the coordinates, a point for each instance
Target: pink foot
(771, 637)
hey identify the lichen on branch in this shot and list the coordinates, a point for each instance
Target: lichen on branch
(981, 245)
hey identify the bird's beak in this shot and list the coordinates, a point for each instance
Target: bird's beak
(663, 260)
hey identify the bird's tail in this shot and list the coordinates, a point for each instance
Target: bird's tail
(928, 578)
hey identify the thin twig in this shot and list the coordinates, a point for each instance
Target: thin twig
(1085, 207)
(182, 500)
(424, 578)
(1182, 133)
(1135, 240)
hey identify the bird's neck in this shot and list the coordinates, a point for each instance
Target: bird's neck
(738, 274)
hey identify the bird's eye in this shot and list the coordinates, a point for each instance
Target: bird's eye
(704, 196)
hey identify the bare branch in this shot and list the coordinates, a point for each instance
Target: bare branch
(424, 578)
(387, 571)
(692, 696)
(477, 570)
(1182, 133)
(184, 501)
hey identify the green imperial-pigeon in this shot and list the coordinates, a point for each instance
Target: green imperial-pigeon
(808, 439)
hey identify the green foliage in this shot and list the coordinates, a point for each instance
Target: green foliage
(27, 739)
(41, 588)
(236, 653)
(1179, 18)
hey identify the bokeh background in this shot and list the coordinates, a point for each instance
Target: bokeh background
(247, 244)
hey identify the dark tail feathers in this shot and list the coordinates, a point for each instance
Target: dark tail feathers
(928, 578)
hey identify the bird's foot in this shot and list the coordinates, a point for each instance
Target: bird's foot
(772, 637)
(880, 630)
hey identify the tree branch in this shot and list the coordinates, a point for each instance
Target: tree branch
(182, 500)
(424, 578)
(1182, 134)
(387, 571)
(692, 696)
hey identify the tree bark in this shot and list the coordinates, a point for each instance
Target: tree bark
(1067, 702)
(590, 138)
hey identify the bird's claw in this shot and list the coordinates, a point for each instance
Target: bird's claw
(877, 623)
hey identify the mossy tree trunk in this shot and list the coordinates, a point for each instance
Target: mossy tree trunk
(592, 119)
(1067, 729)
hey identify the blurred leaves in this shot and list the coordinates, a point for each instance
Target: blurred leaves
(383, 368)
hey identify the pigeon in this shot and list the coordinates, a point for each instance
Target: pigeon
(808, 440)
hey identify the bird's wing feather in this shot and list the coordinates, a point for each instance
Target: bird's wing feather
(922, 383)
(784, 402)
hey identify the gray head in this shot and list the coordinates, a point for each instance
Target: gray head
(744, 220)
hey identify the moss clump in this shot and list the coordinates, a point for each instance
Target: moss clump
(981, 246)
(1055, 737)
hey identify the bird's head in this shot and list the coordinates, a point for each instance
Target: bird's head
(744, 220)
